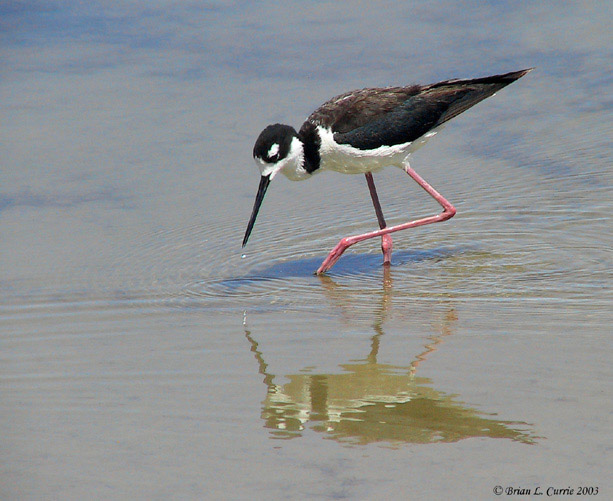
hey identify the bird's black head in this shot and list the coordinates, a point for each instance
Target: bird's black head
(277, 149)
(273, 143)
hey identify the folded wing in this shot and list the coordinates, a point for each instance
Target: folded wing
(370, 118)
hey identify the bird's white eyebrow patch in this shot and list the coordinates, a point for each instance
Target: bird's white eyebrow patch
(274, 149)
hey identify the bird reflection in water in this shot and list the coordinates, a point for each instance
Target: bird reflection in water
(371, 402)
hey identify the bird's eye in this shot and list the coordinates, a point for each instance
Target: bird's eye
(273, 153)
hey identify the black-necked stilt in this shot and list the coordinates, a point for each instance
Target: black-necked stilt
(362, 131)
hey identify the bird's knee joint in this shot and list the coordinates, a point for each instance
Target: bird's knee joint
(345, 242)
(449, 212)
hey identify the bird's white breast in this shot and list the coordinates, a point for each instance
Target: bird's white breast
(349, 160)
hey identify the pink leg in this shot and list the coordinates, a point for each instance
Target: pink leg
(448, 212)
(386, 240)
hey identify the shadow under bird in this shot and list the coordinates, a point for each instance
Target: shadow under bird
(361, 132)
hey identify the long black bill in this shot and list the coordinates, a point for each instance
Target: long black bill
(264, 182)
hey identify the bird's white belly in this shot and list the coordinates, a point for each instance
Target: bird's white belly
(349, 160)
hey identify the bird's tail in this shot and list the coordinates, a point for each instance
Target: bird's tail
(463, 94)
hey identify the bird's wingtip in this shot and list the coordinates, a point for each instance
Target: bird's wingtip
(507, 78)
(521, 73)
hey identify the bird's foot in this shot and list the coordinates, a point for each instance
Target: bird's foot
(386, 247)
(334, 255)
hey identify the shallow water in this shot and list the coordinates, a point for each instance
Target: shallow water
(146, 355)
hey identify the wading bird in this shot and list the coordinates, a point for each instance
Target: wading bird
(362, 131)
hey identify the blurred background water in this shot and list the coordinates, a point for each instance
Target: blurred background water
(143, 356)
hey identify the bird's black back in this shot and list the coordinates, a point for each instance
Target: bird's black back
(370, 118)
